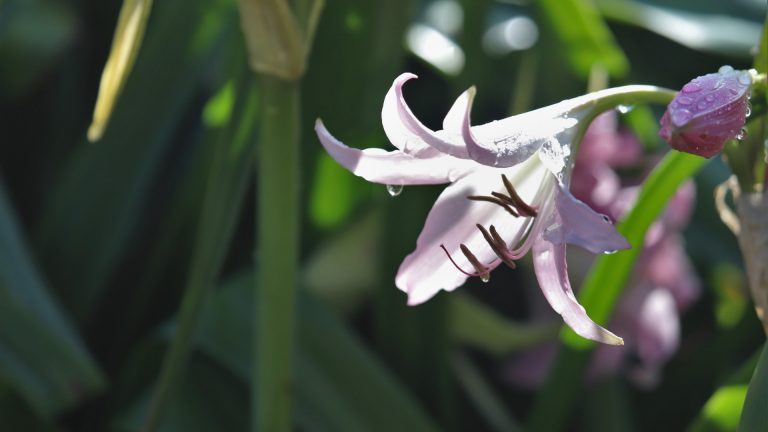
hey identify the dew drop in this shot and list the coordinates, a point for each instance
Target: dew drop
(691, 87)
(748, 112)
(394, 190)
(610, 252)
(485, 277)
(680, 117)
(718, 84)
(710, 97)
(725, 69)
(745, 78)
(606, 218)
(742, 135)
(624, 109)
(701, 105)
(684, 100)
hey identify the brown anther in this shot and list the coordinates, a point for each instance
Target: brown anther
(479, 267)
(523, 208)
(482, 271)
(495, 200)
(497, 244)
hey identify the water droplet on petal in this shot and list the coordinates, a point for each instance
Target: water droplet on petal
(606, 218)
(485, 277)
(624, 109)
(710, 97)
(745, 78)
(394, 190)
(748, 112)
(742, 135)
(691, 87)
(610, 252)
(725, 69)
(680, 117)
(701, 105)
(718, 84)
(684, 100)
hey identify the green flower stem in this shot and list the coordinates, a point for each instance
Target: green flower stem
(277, 254)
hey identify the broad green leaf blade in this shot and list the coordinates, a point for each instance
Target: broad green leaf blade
(340, 385)
(604, 285)
(479, 326)
(722, 411)
(41, 355)
(227, 182)
(483, 396)
(34, 34)
(587, 39)
(734, 37)
(95, 205)
(754, 417)
(208, 398)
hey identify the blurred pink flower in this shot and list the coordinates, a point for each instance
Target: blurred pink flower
(707, 112)
(663, 282)
(514, 172)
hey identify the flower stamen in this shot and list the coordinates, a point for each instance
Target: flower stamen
(498, 245)
(495, 200)
(482, 271)
(523, 208)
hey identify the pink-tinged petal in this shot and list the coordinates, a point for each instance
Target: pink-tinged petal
(595, 184)
(604, 144)
(508, 142)
(552, 274)
(680, 207)
(576, 223)
(707, 112)
(667, 265)
(407, 133)
(532, 367)
(395, 167)
(451, 222)
(658, 332)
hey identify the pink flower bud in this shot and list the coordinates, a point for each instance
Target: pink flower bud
(707, 112)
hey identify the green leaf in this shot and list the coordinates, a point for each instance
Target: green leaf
(33, 35)
(721, 412)
(734, 37)
(95, 204)
(754, 417)
(483, 396)
(208, 398)
(586, 38)
(340, 385)
(41, 356)
(479, 326)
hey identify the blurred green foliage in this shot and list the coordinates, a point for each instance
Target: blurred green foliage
(98, 242)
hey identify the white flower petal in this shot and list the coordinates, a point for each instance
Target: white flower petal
(552, 274)
(396, 167)
(576, 223)
(452, 222)
(407, 133)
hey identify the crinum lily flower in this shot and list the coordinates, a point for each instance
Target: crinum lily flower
(508, 193)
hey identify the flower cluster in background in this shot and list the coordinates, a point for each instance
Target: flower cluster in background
(663, 283)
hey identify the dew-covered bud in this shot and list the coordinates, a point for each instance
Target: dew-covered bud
(707, 112)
